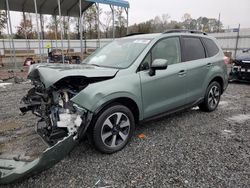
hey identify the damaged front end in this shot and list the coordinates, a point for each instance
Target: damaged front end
(61, 124)
(240, 70)
(59, 117)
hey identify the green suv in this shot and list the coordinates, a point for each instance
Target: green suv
(131, 79)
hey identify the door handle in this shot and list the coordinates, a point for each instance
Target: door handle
(182, 73)
(209, 64)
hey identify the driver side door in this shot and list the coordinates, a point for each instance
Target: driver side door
(166, 90)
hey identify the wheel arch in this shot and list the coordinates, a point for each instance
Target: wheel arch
(218, 79)
(125, 101)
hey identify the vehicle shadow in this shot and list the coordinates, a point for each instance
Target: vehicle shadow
(155, 125)
(240, 82)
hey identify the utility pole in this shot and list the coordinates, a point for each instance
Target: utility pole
(218, 24)
(237, 41)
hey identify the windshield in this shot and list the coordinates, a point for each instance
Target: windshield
(118, 54)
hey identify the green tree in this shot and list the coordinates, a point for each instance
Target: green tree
(204, 22)
(3, 21)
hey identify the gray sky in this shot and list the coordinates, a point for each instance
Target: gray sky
(232, 12)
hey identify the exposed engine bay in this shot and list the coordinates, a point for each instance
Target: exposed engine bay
(59, 117)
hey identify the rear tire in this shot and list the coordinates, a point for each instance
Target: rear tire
(212, 97)
(113, 129)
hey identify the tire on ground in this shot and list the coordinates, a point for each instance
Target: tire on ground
(205, 105)
(99, 123)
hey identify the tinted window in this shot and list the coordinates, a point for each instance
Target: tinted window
(211, 47)
(192, 49)
(168, 49)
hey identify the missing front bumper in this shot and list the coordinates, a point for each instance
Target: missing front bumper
(12, 170)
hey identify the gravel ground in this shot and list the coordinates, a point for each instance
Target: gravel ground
(17, 134)
(187, 149)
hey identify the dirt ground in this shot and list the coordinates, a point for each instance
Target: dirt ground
(187, 149)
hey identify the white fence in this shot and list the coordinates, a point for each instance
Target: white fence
(21, 44)
(226, 40)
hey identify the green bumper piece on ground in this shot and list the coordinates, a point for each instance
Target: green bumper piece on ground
(11, 170)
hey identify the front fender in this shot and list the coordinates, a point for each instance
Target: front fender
(119, 95)
(97, 94)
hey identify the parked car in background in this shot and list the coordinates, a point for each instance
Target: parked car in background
(241, 67)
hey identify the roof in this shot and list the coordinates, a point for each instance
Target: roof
(169, 33)
(144, 36)
(68, 7)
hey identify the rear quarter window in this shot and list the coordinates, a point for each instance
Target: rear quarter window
(211, 47)
(192, 49)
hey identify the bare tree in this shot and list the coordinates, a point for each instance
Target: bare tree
(53, 28)
(66, 25)
(161, 23)
(106, 22)
(25, 28)
(91, 23)
(121, 22)
(187, 19)
(165, 18)
(76, 23)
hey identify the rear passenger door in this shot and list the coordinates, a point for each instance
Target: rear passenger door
(194, 57)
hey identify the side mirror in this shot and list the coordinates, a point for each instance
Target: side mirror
(245, 50)
(158, 64)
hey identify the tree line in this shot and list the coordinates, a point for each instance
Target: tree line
(163, 23)
(50, 28)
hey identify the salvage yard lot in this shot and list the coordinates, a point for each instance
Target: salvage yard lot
(187, 149)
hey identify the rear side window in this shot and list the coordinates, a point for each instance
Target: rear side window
(211, 47)
(192, 49)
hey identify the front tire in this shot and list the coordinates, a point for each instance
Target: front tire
(113, 129)
(212, 97)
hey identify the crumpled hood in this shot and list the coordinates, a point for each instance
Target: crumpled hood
(49, 73)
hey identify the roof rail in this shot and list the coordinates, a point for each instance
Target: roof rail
(132, 34)
(184, 31)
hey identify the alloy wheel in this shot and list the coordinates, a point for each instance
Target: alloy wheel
(115, 129)
(213, 97)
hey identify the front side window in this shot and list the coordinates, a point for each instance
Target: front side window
(168, 49)
(192, 49)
